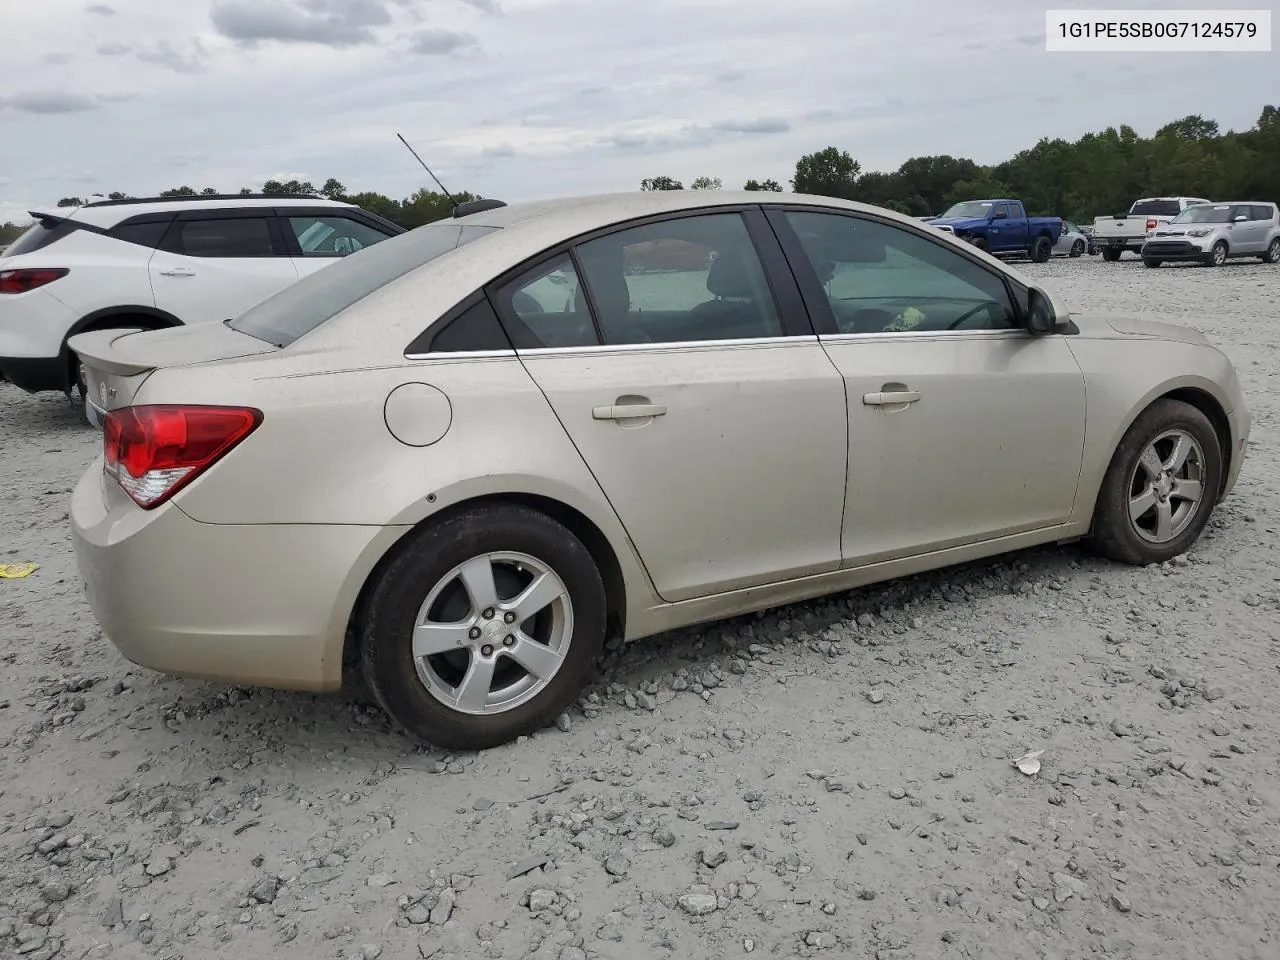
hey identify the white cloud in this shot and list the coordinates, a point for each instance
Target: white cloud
(531, 98)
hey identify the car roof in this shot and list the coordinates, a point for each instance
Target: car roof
(573, 215)
(107, 213)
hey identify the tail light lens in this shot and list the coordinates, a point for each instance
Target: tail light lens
(20, 281)
(1152, 223)
(154, 451)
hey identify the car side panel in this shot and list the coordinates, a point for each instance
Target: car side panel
(1115, 397)
(335, 417)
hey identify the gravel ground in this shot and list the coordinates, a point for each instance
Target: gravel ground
(828, 779)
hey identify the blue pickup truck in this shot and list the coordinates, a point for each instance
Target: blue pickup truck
(1002, 228)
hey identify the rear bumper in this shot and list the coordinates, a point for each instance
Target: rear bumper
(1120, 243)
(35, 374)
(261, 605)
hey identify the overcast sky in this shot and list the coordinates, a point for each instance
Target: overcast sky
(520, 99)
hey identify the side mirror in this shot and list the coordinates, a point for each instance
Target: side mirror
(1042, 316)
(1239, 219)
(1000, 215)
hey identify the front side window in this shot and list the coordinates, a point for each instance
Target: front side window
(232, 238)
(333, 236)
(880, 278)
(677, 281)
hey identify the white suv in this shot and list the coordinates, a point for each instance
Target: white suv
(158, 263)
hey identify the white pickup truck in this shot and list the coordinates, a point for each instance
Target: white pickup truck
(1128, 231)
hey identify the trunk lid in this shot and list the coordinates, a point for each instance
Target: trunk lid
(115, 363)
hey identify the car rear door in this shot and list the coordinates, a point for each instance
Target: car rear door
(1249, 235)
(696, 392)
(962, 426)
(214, 264)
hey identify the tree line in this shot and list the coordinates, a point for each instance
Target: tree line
(1100, 173)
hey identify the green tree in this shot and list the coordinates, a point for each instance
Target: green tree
(333, 189)
(827, 173)
(705, 183)
(661, 183)
(10, 232)
(178, 192)
(772, 186)
(70, 202)
(117, 195)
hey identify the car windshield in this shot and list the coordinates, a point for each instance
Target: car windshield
(1204, 214)
(968, 210)
(1155, 208)
(301, 307)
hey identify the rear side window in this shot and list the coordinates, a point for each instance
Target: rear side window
(39, 235)
(303, 306)
(1264, 213)
(232, 238)
(1156, 208)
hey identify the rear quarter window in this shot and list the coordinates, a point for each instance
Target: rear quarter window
(303, 306)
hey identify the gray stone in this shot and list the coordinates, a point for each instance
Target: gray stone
(564, 723)
(380, 880)
(714, 856)
(56, 891)
(664, 837)
(617, 865)
(443, 909)
(698, 904)
(1121, 902)
(418, 914)
(820, 939)
(370, 951)
(541, 899)
(647, 701)
(875, 696)
(265, 890)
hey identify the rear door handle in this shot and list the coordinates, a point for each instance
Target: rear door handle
(177, 272)
(628, 411)
(887, 399)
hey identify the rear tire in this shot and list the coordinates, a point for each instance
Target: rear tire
(1171, 450)
(1111, 254)
(426, 692)
(979, 243)
(1151, 261)
(1273, 252)
(1041, 250)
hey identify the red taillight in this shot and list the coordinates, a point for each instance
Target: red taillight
(20, 281)
(1152, 223)
(154, 451)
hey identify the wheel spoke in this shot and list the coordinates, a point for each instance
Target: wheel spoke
(1178, 458)
(431, 638)
(1164, 520)
(541, 593)
(473, 691)
(539, 660)
(1191, 490)
(1151, 463)
(477, 578)
(1139, 505)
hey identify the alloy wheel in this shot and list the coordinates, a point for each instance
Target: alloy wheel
(492, 633)
(1166, 486)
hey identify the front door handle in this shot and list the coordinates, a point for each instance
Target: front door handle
(177, 272)
(628, 411)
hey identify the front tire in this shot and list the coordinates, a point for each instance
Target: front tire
(1161, 486)
(1218, 255)
(484, 627)
(1077, 249)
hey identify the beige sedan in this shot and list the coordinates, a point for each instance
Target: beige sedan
(459, 460)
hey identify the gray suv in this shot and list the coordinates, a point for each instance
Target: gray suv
(1212, 233)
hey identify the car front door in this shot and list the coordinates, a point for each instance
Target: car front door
(697, 393)
(321, 237)
(213, 265)
(1016, 236)
(963, 427)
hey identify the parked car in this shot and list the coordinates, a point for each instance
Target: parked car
(1002, 228)
(1214, 233)
(1128, 231)
(156, 263)
(1072, 243)
(410, 463)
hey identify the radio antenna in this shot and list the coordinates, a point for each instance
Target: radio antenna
(428, 169)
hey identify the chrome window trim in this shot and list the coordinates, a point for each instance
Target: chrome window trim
(702, 345)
